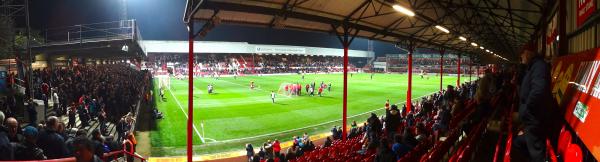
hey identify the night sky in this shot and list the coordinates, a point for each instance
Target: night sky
(162, 20)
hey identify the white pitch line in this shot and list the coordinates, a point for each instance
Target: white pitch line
(315, 125)
(186, 115)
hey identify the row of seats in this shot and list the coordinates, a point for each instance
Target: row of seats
(349, 150)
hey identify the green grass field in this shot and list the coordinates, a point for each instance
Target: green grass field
(236, 115)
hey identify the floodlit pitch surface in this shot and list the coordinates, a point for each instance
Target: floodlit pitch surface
(235, 115)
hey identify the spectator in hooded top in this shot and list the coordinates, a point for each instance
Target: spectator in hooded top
(29, 149)
(51, 142)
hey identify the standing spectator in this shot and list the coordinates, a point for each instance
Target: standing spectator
(84, 150)
(51, 142)
(32, 112)
(276, 147)
(392, 120)
(6, 150)
(334, 132)
(121, 129)
(72, 113)
(102, 120)
(249, 151)
(55, 104)
(14, 130)
(29, 149)
(534, 105)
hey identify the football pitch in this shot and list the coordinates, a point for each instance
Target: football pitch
(234, 114)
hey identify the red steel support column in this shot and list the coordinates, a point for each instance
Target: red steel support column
(409, 92)
(458, 79)
(470, 65)
(190, 152)
(442, 69)
(345, 97)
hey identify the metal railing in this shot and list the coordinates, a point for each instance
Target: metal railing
(82, 33)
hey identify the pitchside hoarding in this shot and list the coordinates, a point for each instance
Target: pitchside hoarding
(576, 87)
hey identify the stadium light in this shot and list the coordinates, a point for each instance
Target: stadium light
(462, 38)
(481, 47)
(403, 10)
(442, 29)
(474, 44)
(487, 51)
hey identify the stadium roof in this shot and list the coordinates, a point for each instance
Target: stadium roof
(500, 26)
(159, 46)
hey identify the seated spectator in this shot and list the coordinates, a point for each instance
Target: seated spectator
(328, 142)
(399, 148)
(291, 152)
(29, 149)
(384, 154)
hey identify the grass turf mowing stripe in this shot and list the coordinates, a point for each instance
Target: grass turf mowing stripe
(186, 115)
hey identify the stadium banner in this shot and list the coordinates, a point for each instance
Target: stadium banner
(279, 49)
(585, 8)
(576, 87)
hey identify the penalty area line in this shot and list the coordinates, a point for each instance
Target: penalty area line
(186, 116)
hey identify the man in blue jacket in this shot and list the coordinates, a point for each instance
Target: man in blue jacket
(534, 104)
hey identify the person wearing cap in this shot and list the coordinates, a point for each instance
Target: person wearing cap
(29, 150)
(534, 105)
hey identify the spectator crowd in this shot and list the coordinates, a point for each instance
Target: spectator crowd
(102, 93)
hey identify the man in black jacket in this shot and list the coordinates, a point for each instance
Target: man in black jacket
(6, 149)
(534, 104)
(51, 141)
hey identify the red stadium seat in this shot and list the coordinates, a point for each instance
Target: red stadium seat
(564, 140)
(573, 153)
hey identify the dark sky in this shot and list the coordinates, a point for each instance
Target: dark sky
(162, 20)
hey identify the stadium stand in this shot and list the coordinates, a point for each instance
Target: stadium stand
(87, 102)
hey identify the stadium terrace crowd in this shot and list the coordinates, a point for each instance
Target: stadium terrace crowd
(106, 93)
(223, 64)
(397, 132)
